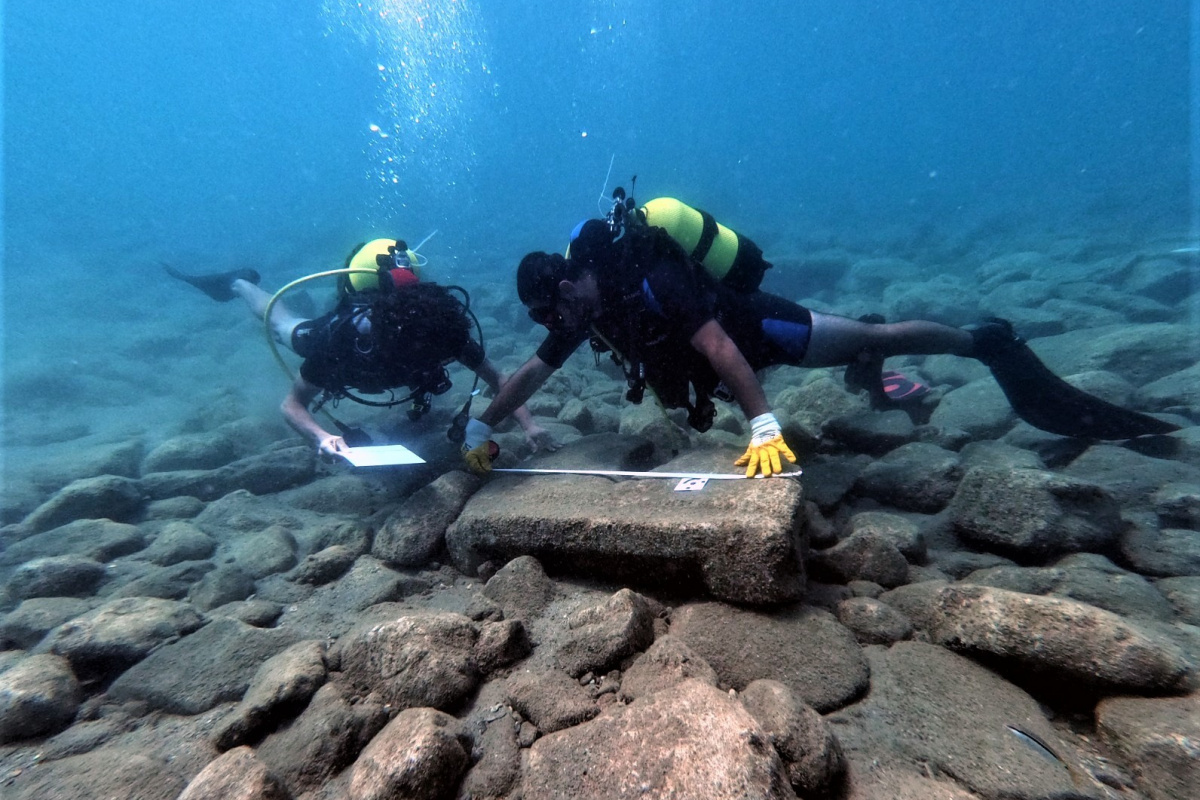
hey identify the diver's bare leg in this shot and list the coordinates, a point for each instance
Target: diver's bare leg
(836, 341)
(283, 321)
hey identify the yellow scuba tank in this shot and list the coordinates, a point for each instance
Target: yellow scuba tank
(386, 254)
(726, 255)
(705, 239)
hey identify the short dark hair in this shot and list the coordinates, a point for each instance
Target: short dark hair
(594, 247)
(538, 276)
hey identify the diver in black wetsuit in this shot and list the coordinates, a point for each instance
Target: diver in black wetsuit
(387, 331)
(683, 333)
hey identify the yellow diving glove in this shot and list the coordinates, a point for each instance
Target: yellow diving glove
(479, 451)
(766, 445)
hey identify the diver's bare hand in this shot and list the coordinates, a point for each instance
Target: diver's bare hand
(541, 439)
(332, 446)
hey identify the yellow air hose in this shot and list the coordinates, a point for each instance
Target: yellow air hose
(287, 288)
(275, 298)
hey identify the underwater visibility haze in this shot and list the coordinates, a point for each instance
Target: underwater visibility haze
(947, 160)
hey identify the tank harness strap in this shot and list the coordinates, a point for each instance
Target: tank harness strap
(635, 371)
(708, 234)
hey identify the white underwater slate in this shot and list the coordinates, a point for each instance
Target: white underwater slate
(381, 456)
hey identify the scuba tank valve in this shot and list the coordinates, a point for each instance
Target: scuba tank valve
(622, 207)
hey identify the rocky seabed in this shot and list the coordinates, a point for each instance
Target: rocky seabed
(947, 604)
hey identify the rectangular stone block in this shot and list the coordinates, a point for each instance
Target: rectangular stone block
(741, 541)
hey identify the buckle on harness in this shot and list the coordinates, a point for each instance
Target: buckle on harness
(420, 406)
(635, 379)
(702, 414)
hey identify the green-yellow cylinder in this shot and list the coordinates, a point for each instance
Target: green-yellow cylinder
(686, 226)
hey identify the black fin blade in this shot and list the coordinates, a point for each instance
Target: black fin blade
(1046, 401)
(217, 285)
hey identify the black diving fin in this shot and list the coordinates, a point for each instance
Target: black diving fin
(1045, 400)
(217, 285)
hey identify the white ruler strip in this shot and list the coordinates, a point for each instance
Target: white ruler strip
(715, 476)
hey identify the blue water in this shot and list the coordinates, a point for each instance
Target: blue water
(277, 135)
(222, 129)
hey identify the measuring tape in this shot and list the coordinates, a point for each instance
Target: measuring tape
(689, 481)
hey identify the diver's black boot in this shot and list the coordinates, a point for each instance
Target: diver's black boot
(867, 371)
(1045, 400)
(217, 285)
(993, 339)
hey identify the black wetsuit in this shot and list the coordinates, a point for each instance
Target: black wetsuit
(340, 352)
(658, 298)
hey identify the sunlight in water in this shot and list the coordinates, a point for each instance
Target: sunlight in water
(429, 59)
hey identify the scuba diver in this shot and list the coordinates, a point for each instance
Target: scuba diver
(675, 326)
(737, 263)
(388, 330)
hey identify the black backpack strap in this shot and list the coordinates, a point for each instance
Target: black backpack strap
(708, 235)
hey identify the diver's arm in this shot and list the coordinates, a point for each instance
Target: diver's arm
(731, 367)
(767, 449)
(538, 436)
(513, 393)
(295, 411)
